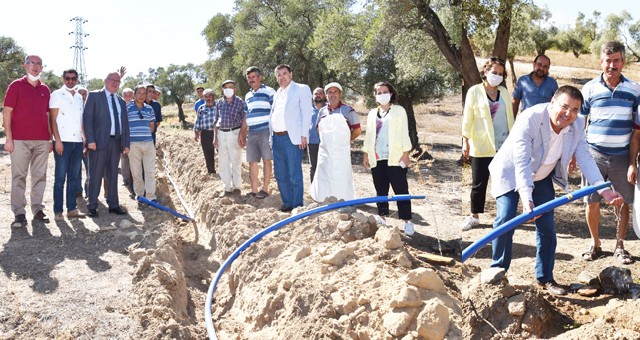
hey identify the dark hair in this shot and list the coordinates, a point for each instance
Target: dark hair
(70, 70)
(199, 88)
(570, 91)
(541, 56)
(135, 90)
(253, 69)
(392, 90)
(150, 86)
(281, 66)
(611, 47)
(489, 64)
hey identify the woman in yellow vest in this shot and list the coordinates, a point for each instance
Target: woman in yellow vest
(486, 122)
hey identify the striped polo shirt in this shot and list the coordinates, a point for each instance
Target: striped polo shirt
(259, 105)
(613, 114)
(140, 122)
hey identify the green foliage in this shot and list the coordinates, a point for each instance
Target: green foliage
(11, 64)
(621, 28)
(176, 81)
(95, 84)
(53, 81)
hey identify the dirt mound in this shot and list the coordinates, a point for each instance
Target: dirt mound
(334, 275)
(493, 309)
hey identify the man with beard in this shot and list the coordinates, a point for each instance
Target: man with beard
(319, 101)
(536, 87)
(610, 105)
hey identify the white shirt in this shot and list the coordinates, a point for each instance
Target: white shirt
(69, 119)
(278, 123)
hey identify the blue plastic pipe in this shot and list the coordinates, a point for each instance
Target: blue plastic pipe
(162, 207)
(212, 287)
(518, 220)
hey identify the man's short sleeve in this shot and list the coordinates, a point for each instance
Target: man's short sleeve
(353, 119)
(54, 101)
(517, 91)
(586, 105)
(11, 97)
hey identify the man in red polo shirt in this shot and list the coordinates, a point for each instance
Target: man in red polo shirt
(26, 125)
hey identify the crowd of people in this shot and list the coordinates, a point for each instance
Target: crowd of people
(523, 154)
(107, 131)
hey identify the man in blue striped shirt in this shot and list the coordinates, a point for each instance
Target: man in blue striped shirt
(611, 103)
(259, 100)
(142, 154)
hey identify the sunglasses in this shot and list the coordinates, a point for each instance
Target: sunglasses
(70, 78)
(497, 60)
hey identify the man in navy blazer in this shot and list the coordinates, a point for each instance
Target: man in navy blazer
(536, 153)
(289, 122)
(106, 128)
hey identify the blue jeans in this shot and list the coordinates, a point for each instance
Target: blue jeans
(79, 184)
(287, 169)
(501, 247)
(67, 167)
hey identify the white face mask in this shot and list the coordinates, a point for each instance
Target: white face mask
(228, 93)
(69, 88)
(493, 79)
(384, 98)
(33, 78)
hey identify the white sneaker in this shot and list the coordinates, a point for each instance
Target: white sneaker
(380, 220)
(408, 228)
(470, 222)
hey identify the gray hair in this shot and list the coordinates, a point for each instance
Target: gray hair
(127, 90)
(207, 91)
(611, 47)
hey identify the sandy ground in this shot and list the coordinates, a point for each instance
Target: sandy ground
(145, 275)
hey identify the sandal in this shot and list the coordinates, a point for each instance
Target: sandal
(262, 194)
(622, 256)
(592, 254)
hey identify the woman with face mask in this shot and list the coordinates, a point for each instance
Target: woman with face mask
(486, 121)
(386, 150)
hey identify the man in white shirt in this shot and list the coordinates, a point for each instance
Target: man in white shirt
(65, 108)
(535, 154)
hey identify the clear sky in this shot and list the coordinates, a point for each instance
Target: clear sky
(137, 34)
(564, 12)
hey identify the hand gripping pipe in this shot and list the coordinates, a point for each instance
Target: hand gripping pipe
(518, 220)
(207, 309)
(162, 207)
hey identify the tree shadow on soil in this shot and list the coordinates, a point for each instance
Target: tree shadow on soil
(34, 256)
(519, 250)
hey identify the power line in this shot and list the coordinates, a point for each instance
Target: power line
(78, 52)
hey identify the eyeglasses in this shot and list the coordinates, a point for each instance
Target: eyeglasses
(34, 63)
(140, 115)
(498, 60)
(113, 80)
(70, 78)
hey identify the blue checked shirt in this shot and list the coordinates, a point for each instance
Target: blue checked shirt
(230, 115)
(205, 118)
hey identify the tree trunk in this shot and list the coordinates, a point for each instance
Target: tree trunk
(407, 102)
(461, 57)
(501, 44)
(181, 116)
(514, 79)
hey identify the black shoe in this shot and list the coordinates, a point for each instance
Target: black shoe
(286, 209)
(93, 213)
(19, 221)
(40, 216)
(553, 288)
(117, 211)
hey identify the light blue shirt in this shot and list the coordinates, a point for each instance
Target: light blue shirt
(531, 94)
(115, 98)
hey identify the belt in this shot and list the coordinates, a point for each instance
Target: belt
(227, 130)
(280, 133)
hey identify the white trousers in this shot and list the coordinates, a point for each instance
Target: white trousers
(230, 159)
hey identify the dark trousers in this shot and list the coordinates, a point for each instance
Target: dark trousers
(313, 158)
(396, 177)
(479, 181)
(104, 163)
(206, 140)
